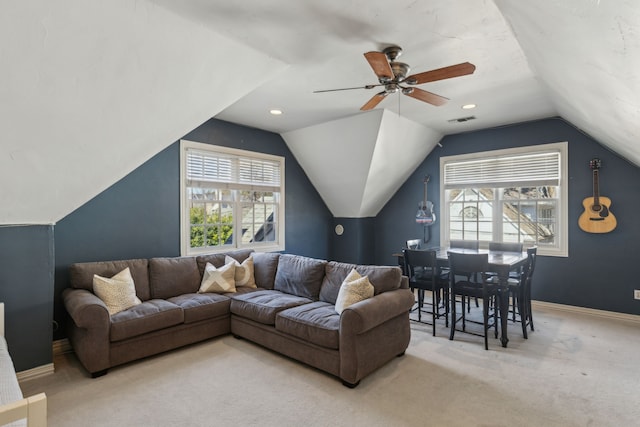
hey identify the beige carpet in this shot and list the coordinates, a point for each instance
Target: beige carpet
(574, 370)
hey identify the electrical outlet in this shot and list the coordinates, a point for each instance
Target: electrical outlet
(636, 294)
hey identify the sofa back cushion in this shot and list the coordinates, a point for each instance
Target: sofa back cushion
(217, 260)
(170, 277)
(81, 274)
(383, 278)
(334, 275)
(298, 275)
(265, 265)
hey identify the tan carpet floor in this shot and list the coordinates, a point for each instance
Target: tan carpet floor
(574, 370)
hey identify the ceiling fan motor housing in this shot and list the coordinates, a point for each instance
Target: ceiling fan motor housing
(400, 70)
(392, 52)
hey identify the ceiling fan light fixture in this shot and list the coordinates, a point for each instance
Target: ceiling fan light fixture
(391, 88)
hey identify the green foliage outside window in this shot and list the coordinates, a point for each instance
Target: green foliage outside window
(219, 228)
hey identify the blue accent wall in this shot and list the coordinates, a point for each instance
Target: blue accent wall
(26, 288)
(139, 216)
(356, 243)
(600, 271)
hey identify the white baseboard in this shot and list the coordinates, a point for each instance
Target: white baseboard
(37, 372)
(61, 347)
(584, 310)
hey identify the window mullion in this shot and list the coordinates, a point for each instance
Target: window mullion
(497, 215)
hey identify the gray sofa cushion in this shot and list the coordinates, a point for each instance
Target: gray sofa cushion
(335, 273)
(263, 305)
(202, 306)
(265, 265)
(317, 323)
(146, 317)
(170, 277)
(301, 276)
(383, 278)
(81, 274)
(217, 260)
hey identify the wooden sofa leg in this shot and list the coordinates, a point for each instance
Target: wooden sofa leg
(350, 385)
(99, 373)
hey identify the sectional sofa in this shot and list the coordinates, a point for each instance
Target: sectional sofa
(287, 305)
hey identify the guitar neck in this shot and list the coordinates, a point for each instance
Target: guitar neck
(596, 189)
(426, 181)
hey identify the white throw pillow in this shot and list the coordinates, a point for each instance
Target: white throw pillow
(244, 275)
(354, 288)
(117, 292)
(218, 280)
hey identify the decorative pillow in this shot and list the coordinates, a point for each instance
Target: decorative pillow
(218, 280)
(354, 288)
(117, 292)
(244, 275)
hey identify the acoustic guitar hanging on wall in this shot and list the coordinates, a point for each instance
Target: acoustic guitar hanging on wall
(425, 213)
(597, 218)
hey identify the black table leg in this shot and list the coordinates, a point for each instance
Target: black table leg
(504, 310)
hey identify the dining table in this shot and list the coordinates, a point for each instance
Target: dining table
(500, 263)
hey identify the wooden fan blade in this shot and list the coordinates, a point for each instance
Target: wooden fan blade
(375, 100)
(380, 65)
(441, 73)
(425, 96)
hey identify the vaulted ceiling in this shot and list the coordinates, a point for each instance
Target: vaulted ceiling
(90, 90)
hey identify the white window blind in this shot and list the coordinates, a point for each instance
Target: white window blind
(541, 168)
(229, 171)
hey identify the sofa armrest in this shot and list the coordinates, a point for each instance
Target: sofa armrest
(86, 309)
(365, 315)
(89, 332)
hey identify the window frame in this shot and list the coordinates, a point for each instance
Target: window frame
(185, 223)
(562, 247)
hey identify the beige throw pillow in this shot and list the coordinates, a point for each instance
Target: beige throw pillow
(244, 276)
(117, 292)
(354, 288)
(218, 280)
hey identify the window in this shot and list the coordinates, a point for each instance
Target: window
(513, 195)
(230, 199)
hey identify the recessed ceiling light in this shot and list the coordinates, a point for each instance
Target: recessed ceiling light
(275, 112)
(468, 106)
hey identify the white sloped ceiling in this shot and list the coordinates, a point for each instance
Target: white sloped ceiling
(92, 89)
(587, 53)
(357, 163)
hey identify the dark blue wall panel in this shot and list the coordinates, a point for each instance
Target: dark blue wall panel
(356, 243)
(600, 271)
(139, 216)
(26, 288)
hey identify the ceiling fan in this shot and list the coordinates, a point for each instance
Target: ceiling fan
(393, 76)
